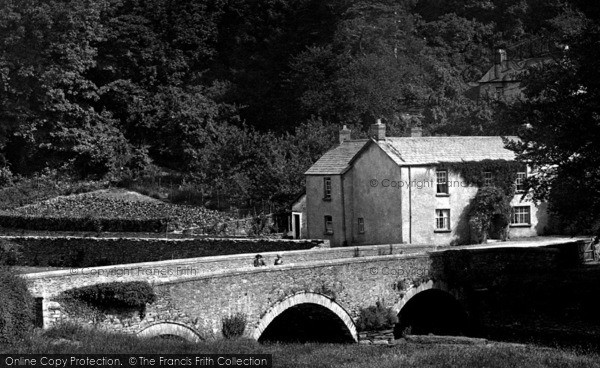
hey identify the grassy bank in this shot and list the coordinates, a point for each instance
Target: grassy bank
(75, 340)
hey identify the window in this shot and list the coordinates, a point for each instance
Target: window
(521, 215)
(499, 92)
(442, 220)
(361, 225)
(328, 225)
(487, 178)
(520, 182)
(327, 188)
(442, 181)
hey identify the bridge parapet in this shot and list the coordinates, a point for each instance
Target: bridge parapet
(46, 284)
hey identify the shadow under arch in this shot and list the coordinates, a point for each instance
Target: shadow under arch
(168, 328)
(431, 308)
(306, 300)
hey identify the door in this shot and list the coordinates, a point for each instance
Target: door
(498, 228)
(296, 226)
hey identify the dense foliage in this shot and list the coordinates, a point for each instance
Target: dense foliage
(234, 326)
(10, 253)
(94, 300)
(562, 130)
(134, 294)
(376, 317)
(503, 173)
(242, 96)
(490, 207)
(16, 307)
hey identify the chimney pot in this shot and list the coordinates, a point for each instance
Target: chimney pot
(500, 56)
(500, 60)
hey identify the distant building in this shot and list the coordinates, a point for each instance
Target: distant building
(392, 190)
(503, 79)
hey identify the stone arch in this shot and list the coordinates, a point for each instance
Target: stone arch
(439, 285)
(304, 298)
(170, 328)
(426, 317)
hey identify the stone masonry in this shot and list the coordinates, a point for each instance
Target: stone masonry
(194, 305)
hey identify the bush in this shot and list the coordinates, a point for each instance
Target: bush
(64, 330)
(261, 225)
(87, 223)
(109, 296)
(132, 294)
(376, 317)
(187, 194)
(10, 253)
(16, 307)
(488, 203)
(6, 177)
(234, 326)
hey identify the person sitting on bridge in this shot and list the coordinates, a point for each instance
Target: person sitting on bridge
(278, 260)
(259, 261)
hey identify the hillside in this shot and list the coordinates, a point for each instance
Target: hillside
(113, 204)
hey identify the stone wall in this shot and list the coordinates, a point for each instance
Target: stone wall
(317, 208)
(90, 251)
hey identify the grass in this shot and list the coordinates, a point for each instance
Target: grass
(309, 355)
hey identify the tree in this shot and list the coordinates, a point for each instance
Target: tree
(561, 131)
(47, 98)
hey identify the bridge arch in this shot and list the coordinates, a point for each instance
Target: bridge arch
(166, 328)
(431, 308)
(305, 298)
(438, 285)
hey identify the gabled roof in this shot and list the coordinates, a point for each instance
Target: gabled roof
(337, 160)
(412, 151)
(512, 70)
(406, 151)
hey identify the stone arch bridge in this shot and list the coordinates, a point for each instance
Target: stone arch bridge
(322, 289)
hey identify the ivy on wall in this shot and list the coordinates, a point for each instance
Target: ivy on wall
(503, 172)
(490, 208)
(92, 301)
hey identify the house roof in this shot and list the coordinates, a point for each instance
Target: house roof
(412, 151)
(407, 151)
(512, 70)
(337, 160)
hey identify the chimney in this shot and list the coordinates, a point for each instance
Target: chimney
(499, 61)
(344, 134)
(377, 131)
(416, 132)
